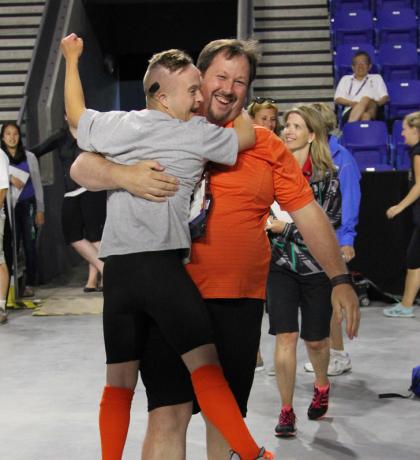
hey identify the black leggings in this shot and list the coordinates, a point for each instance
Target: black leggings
(413, 251)
(151, 288)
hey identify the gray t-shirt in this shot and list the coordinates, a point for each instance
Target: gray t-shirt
(134, 224)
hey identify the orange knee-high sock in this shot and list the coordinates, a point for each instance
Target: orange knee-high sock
(220, 407)
(114, 419)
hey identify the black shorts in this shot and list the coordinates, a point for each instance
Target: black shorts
(83, 217)
(287, 291)
(413, 251)
(151, 288)
(236, 325)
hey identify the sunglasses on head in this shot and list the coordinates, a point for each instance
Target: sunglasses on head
(261, 100)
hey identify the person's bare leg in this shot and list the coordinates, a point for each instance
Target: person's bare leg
(371, 111)
(217, 447)
(122, 375)
(336, 335)
(89, 252)
(319, 356)
(359, 109)
(92, 281)
(411, 288)
(200, 356)
(4, 286)
(99, 282)
(285, 365)
(166, 433)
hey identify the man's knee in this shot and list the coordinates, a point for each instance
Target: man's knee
(170, 419)
(318, 345)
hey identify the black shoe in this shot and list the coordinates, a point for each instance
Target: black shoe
(89, 289)
(287, 424)
(319, 404)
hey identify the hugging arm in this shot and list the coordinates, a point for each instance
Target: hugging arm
(144, 179)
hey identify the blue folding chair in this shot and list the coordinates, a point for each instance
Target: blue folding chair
(396, 26)
(344, 54)
(367, 141)
(400, 150)
(353, 27)
(404, 97)
(398, 61)
(336, 5)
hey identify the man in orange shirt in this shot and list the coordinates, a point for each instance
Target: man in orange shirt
(230, 264)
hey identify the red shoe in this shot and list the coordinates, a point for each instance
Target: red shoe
(319, 404)
(287, 424)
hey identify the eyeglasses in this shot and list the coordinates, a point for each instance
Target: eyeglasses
(154, 87)
(261, 100)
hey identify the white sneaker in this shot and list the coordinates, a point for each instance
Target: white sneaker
(339, 363)
(271, 371)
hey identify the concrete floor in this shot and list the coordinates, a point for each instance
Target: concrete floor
(52, 374)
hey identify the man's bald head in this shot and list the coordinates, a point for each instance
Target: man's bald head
(161, 68)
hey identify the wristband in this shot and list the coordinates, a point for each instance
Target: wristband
(345, 278)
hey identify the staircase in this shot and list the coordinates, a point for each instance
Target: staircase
(297, 63)
(19, 23)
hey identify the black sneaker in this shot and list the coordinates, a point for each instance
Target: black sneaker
(286, 426)
(319, 404)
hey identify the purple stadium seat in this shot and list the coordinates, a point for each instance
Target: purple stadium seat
(399, 148)
(396, 26)
(393, 4)
(367, 141)
(343, 55)
(375, 167)
(398, 61)
(353, 27)
(350, 4)
(404, 97)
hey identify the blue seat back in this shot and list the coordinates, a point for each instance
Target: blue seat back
(396, 26)
(401, 149)
(353, 26)
(404, 97)
(350, 5)
(367, 141)
(398, 61)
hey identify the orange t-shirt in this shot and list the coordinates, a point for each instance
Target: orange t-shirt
(232, 260)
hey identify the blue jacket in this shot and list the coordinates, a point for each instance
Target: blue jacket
(349, 176)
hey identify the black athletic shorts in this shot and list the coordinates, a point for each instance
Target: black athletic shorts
(83, 217)
(413, 251)
(148, 288)
(287, 291)
(236, 325)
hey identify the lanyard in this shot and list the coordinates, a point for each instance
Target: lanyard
(360, 88)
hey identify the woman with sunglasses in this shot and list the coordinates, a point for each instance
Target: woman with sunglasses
(296, 281)
(264, 112)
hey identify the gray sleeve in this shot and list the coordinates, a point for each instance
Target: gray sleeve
(219, 144)
(36, 181)
(108, 133)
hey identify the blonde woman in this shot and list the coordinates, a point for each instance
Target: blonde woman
(296, 280)
(405, 309)
(264, 112)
